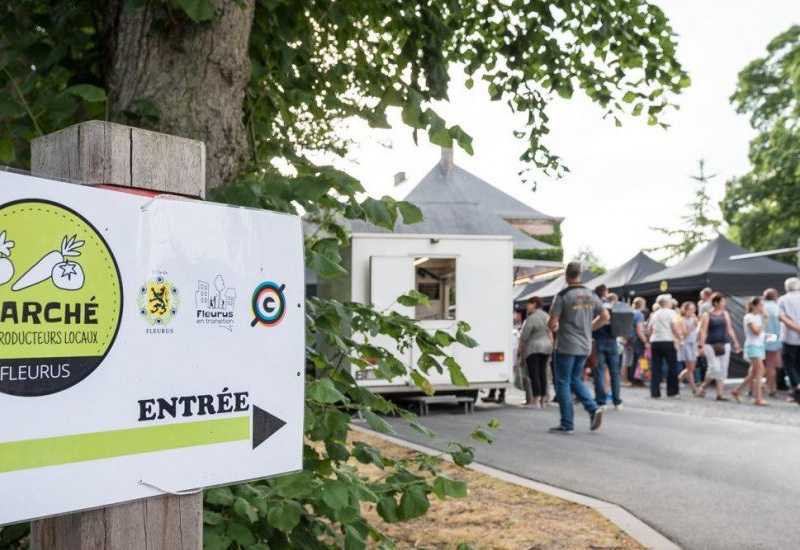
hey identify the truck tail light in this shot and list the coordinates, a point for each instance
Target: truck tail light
(494, 357)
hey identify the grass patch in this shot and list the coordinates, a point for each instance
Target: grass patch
(496, 514)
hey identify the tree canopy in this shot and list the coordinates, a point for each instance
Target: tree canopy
(266, 84)
(761, 206)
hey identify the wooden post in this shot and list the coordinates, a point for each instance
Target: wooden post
(102, 152)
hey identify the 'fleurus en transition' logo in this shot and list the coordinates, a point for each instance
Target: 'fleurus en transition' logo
(268, 304)
(60, 298)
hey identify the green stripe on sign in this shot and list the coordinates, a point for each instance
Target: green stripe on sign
(52, 451)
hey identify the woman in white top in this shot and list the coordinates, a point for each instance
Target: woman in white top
(755, 323)
(665, 334)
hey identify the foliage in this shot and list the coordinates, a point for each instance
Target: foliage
(317, 63)
(555, 238)
(589, 259)
(314, 65)
(545, 254)
(698, 226)
(14, 537)
(761, 206)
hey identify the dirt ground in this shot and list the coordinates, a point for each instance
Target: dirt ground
(498, 515)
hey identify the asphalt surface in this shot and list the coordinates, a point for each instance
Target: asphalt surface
(702, 481)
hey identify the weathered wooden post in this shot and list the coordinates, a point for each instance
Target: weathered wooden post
(102, 152)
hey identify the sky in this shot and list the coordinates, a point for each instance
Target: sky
(622, 181)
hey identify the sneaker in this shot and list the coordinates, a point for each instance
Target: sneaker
(601, 407)
(560, 430)
(618, 407)
(597, 419)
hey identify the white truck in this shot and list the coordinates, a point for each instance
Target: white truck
(465, 277)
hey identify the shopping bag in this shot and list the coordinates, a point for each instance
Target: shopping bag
(519, 378)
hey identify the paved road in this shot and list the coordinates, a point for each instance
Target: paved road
(703, 482)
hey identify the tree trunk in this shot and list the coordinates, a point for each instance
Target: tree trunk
(195, 73)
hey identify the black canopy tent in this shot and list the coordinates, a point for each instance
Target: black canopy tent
(711, 266)
(633, 271)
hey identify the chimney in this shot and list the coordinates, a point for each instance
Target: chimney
(399, 178)
(447, 159)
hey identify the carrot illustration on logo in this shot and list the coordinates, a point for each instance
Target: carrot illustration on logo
(6, 267)
(56, 265)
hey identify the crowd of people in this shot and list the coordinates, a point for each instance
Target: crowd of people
(591, 334)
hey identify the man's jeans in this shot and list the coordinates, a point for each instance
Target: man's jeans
(607, 354)
(568, 370)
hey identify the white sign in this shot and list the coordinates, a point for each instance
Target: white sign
(147, 345)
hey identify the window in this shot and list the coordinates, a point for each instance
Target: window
(436, 279)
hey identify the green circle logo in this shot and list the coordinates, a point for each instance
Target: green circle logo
(60, 298)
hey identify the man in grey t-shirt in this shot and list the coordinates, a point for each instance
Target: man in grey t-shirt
(789, 314)
(575, 313)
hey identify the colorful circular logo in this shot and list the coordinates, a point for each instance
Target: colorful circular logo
(268, 304)
(60, 298)
(664, 286)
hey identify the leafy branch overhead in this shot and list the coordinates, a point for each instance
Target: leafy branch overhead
(316, 64)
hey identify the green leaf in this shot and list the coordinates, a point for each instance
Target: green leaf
(353, 539)
(245, 510)
(241, 534)
(284, 515)
(323, 391)
(389, 510)
(198, 10)
(464, 340)
(378, 213)
(422, 429)
(377, 423)
(367, 454)
(294, 485)
(456, 374)
(444, 487)
(221, 495)
(87, 92)
(214, 541)
(412, 298)
(311, 188)
(494, 423)
(6, 151)
(335, 494)
(462, 455)
(212, 518)
(410, 212)
(444, 338)
(414, 502)
(422, 382)
(480, 435)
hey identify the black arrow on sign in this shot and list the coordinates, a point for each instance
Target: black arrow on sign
(264, 425)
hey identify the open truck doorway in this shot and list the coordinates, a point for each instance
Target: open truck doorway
(466, 278)
(436, 279)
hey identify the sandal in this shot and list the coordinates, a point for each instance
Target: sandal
(736, 396)
(762, 404)
(722, 398)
